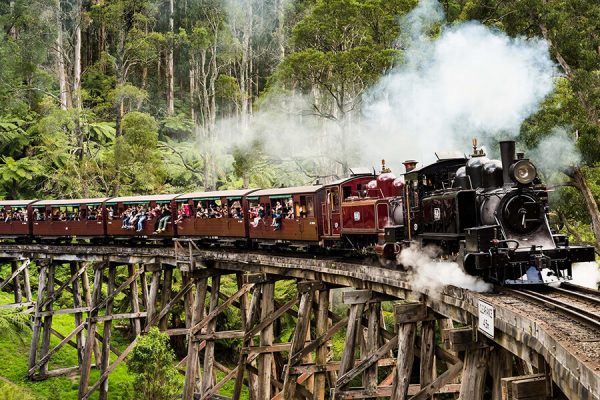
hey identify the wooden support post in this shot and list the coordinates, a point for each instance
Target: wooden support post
(90, 342)
(500, 367)
(77, 303)
(322, 350)
(370, 378)
(87, 296)
(16, 282)
(249, 313)
(151, 306)
(427, 353)
(474, 373)
(188, 300)
(406, 316)
(37, 320)
(298, 340)
(266, 339)
(144, 284)
(135, 300)
(47, 319)
(105, 361)
(357, 300)
(192, 371)
(166, 296)
(27, 285)
(209, 351)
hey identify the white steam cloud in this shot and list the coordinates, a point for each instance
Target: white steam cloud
(586, 274)
(470, 81)
(429, 275)
(556, 152)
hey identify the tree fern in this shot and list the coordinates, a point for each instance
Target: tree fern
(14, 323)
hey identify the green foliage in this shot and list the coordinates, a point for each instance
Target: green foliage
(178, 126)
(250, 163)
(14, 324)
(137, 156)
(151, 360)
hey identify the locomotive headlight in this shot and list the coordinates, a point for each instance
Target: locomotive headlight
(523, 172)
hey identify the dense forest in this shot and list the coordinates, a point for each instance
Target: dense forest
(106, 97)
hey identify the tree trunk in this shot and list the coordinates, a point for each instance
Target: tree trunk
(245, 74)
(170, 67)
(13, 29)
(576, 174)
(60, 63)
(77, 78)
(280, 34)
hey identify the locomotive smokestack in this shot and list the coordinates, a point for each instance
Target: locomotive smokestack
(507, 154)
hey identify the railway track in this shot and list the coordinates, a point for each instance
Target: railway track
(576, 302)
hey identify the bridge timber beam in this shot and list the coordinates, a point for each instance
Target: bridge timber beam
(312, 372)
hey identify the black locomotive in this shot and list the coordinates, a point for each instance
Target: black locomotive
(489, 216)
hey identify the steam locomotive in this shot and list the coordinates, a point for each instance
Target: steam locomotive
(489, 216)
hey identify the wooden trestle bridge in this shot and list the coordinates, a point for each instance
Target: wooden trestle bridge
(523, 360)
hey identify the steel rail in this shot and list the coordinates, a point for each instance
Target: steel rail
(577, 294)
(569, 309)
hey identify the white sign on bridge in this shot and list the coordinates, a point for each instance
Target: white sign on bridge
(486, 319)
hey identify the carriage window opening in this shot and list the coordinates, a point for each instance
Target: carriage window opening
(211, 209)
(346, 192)
(184, 211)
(14, 214)
(283, 208)
(235, 210)
(135, 215)
(257, 212)
(305, 208)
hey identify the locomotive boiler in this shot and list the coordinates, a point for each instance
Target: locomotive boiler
(490, 216)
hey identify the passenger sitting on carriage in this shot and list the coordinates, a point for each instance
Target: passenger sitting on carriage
(164, 220)
(255, 217)
(181, 215)
(136, 213)
(276, 220)
(126, 217)
(290, 213)
(156, 213)
(9, 217)
(142, 217)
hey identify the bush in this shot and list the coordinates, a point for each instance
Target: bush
(151, 361)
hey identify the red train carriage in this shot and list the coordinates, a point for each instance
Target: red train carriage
(69, 218)
(15, 221)
(286, 214)
(213, 214)
(140, 216)
(358, 208)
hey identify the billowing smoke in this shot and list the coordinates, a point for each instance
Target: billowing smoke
(550, 161)
(470, 81)
(586, 274)
(430, 275)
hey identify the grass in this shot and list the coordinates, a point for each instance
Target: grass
(13, 367)
(14, 355)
